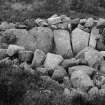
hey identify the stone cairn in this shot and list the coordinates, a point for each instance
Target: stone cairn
(67, 51)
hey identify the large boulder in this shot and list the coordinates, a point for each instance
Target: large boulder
(62, 43)
(80, 40)
(23, 38)
(85, 69)
(44, 38)
(81, 80)
(92, 56)
(52, 60)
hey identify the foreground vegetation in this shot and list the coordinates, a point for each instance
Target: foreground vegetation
(19, 86)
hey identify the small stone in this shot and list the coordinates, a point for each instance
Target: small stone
(70, 62)
(38, 59)
(54, 20)
(101, 23)
(83, 21)
(59, 74)
(93, 91)
(25, 56)
(102, 53)
(52, 60)
(99, 80)
(102, 92)
(13, 49)
(89, 22)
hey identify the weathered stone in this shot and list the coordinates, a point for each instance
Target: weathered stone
(14, 49)
(38, 59)
(3, 53)
(92, 56)
(62, 43)
(44, 38)
(80, 40)
(70, 62)
(52, 60)
(25, 56)
(59, 73)
(81, 80)
(89, 22)
(101, 92)
(24, 38)
(85, 69)
(41, 22)
(93, 37)
(64, 18)
(54, 20)
(102, 53)
(101, 23)
(93, 92)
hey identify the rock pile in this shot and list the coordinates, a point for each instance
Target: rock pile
(68, 51)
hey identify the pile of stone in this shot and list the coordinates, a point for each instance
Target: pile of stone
(70, 52)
